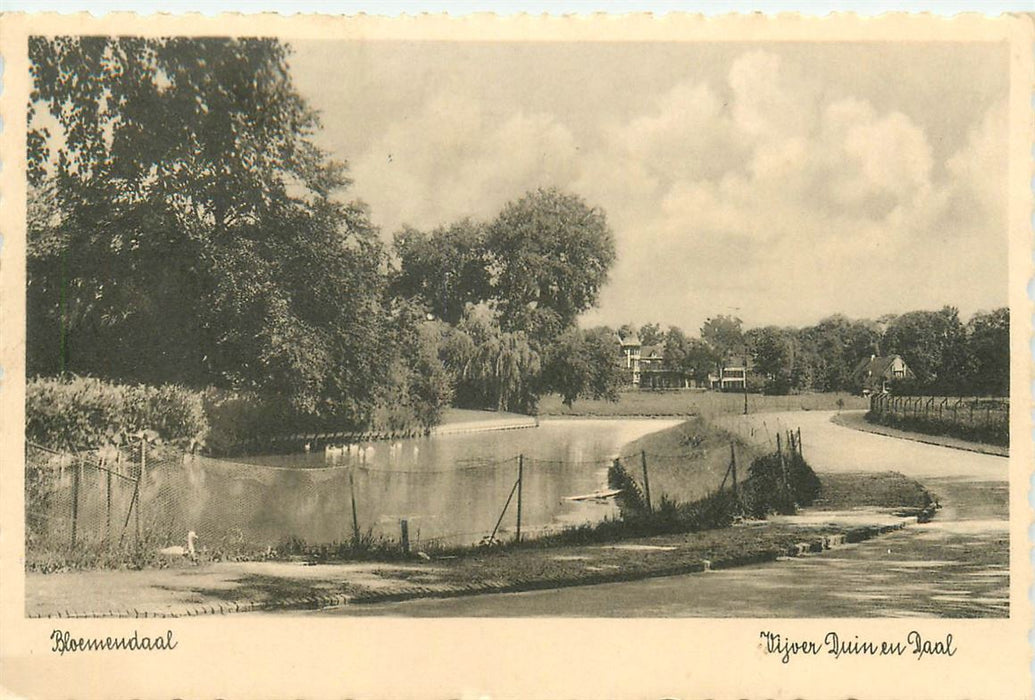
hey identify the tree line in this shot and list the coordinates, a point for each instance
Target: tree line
(946, 355)
(184, 227)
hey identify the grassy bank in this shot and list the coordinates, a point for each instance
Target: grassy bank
(688, 461)
(696, 402)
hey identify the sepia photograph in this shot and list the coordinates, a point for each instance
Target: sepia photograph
(320, 326)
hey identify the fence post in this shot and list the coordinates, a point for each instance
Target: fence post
(646, 481)
(779, 455)
(136, 509)
(801, 453)
(352, 498)
(404, 526)
(107, 504)
(143, 457)
(521, 478)
(733, 469)
(75, 500)
(133, 506)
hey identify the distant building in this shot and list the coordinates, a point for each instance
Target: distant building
(875, 374)
(631, 358)
(656, 374)
(732, 375)
(645, 366)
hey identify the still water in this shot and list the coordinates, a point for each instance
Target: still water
(451, 489)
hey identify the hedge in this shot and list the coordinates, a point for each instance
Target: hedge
(995, 434)
(75, 413)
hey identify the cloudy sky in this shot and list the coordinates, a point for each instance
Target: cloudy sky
(778, 182)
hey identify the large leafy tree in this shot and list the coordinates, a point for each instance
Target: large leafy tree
(418, 385)
(772, 351)
(651, 334)
(583, 364)
(933, 344)
(186, 228)
(988, 349)
(724, 334)
(492, 368)
(550, 254)
(691, 356)
(829, 351)
(445, 270)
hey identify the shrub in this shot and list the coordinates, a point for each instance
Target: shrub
(778, 484)
(631, 501)
(74, 413)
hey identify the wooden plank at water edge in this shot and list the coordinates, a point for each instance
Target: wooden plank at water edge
(595, 496)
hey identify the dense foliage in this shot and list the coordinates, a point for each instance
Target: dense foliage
(491, 368)
(446, 269)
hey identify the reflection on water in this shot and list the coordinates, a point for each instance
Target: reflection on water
(450, 488)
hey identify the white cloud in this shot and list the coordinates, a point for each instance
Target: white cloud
(760, 191)
(770, 100)
(457, 157)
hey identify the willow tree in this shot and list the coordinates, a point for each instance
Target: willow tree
(492, 367)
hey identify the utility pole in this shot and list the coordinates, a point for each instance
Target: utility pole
(745, 385)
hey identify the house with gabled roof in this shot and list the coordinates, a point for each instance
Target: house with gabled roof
(656, 373)
(645, 365)
(875, 374)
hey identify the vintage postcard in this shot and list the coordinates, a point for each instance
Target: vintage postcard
(613, 356)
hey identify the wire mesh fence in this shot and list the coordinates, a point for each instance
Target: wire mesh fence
(986, 419)
(80, 502)
(104, 507)
(135, 503)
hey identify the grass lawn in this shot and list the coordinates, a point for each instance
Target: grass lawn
(873, 489)
(697, 402)
(452, 416)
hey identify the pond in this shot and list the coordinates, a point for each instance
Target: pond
(451, 489)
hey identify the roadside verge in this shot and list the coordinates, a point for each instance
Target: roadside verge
(856, 421)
